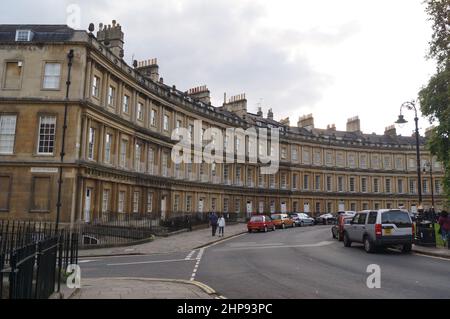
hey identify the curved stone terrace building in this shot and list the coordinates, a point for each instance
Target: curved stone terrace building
(118, 142)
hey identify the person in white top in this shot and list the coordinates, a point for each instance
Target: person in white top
(221, 223)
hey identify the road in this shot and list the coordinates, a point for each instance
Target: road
(293, 263)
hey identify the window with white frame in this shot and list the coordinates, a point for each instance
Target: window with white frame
(376, 185)
(7, 133)
(283, 180)
(329, 184)
(340, 159)
(340, 184)
(306, 155)
(329, 158)
(126, 104)
(166, 122)
(91, 143)
(237, 205)
(363, 161)
(52, 76)
(47, 133)
(149, 202)
(137, 157)
(150, 160)
(306, 181)
(105, 201)
(375, 161)
(317, 157)
(136, 196)
(317, 183)
(176, 203)
(351, 160)
(400, 186)
(294, 181)
(23, 35)
(108, 145)
(425, 186)
(388, 185)
(352, 185)
(123, 153)
(437, 186)
(363, 184)
(272, 180)
(225, 205)
(412, 186)
(111, 96)
(387, 162)
(96, 86)
(399, 163)
(283, 152)
(121, 204)
(165, 164)
(294, 154)
(153, 117)
(140, 111)
(238, 174)
(225, 172)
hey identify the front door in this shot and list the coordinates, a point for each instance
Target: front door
(87, 205)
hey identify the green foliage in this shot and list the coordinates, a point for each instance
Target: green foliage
(435, 97)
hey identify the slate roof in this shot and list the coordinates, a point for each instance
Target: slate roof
(41, 33)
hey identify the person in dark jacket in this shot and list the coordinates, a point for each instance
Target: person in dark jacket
(444, 223)
(213, 221)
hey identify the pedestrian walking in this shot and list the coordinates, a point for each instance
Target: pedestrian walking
(221, 224)
(213, 219)
(444, 223)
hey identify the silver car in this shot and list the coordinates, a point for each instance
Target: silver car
(302, 219)
(382, 228)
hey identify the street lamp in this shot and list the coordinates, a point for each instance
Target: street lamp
(401, 120)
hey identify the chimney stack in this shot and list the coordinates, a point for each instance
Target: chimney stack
(331, 127)
(149, 69)
(306, 121)
(259, 113)
(353, 124)
(200, 93)
(112, 38)
(270, 114)
(237, 104)
(390, 131)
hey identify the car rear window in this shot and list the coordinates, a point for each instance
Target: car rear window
(257, 219)
(398, 218)
(372, 218)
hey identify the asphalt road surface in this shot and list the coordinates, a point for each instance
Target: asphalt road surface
(293, 263)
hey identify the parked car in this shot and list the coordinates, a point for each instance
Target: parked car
(382, 228)
(282, 220)
(302, 219)
(260, 223)
(337, 230)
(347, 213)
(325, 219)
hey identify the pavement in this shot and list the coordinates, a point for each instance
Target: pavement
(177, 243)
(142, 288)
(432, 251)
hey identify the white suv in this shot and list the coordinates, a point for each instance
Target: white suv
(385, 227)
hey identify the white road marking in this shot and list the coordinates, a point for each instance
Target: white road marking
(150, 262)
(189, 256)
(87, 261)
(199, 258)
(434, 257)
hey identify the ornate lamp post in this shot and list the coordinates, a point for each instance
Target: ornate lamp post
(401, 120)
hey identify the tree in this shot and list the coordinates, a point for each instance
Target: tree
(435, 96)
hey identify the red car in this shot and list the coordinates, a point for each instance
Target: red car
(338, 229)
(260, 223)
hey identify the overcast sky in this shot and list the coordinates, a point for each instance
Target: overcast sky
(335, 59)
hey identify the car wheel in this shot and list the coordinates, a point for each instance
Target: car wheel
(332, 234)
(265, 229)
(347, 242)
(368, 245)
(406, 248)
(249, 231)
